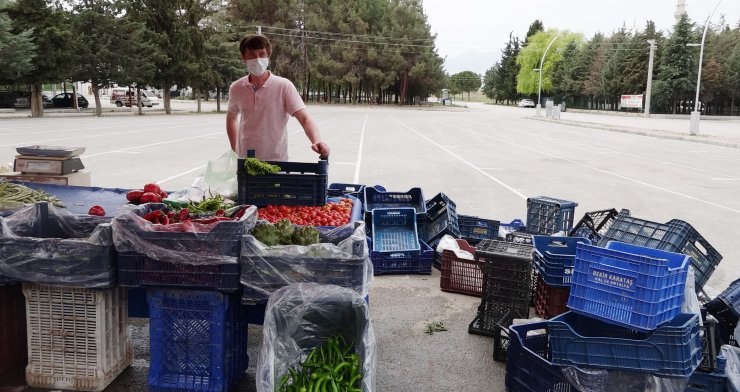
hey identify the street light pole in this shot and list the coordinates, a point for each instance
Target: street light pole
(696, 114)
(648, 92)
(539, 88)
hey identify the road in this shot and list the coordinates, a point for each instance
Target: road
(488, 159)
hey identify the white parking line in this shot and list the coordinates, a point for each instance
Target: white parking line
(359, 153)
(607, 150)
(601, 170)
(149, 145)
(461, 159)
(180, 175)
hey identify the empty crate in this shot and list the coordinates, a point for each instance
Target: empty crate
(77, 338)
(474, 229)
(547, 215)
(441, 219)
(198, 340)
(460, 275)
(628, 285)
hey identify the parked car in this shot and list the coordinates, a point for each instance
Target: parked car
(8, 99)
(122, 96)
(24, 101)
(64, 100)
(526, 103)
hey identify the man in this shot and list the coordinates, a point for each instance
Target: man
(260, 105)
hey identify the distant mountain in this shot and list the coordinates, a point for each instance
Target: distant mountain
(471, 60)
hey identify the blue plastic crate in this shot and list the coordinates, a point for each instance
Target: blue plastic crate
(394, 230)
(198, 340)
(672, 350)
(628, 285)
(406, 262)
(547, 215)
(674, 236)
(441, 220)
(707, 382)
(376, 198)
(554, 258)
(474, 229)
(514, 225)
(528, 366)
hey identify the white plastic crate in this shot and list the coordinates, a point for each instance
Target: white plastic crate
(77, 338)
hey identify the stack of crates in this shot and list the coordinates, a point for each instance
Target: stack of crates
(547, 215)
(627, 299)
(395, 219)
(12, 328)
(507, 272)
(77, 338)
(553, 259)
(673, 236)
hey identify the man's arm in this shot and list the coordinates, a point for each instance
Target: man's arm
(232, 125)
(312, 132)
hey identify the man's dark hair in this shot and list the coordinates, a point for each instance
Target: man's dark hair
(254, 42)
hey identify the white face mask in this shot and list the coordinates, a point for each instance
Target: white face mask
(258, 66)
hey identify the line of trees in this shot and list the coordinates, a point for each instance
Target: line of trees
(329, 49)
(594, 73)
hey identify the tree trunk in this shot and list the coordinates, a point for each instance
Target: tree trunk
(96, 95)
(197, 98)
(218, 99)
(732, 103)
(167, 98)
(37, 104)
(404, 85)
(139, 104)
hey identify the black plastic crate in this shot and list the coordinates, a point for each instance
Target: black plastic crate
(507, 280)
(501, 336)
(709, 346)
(594, 224)
(377, 198)
(726, 309)
(528, 366)
(138, 270)
(339, 190)
(547, 215)
(302, 184)
(474, 229)
(441, 219)
(519, 237)
(674, 236)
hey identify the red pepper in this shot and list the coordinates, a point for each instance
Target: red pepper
(96, 210)
(183, 215)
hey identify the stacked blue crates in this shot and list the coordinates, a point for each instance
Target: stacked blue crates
(394, 220)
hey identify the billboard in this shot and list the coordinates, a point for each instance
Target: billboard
(631, 101)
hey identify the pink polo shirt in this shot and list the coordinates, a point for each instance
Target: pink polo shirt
(264, 114)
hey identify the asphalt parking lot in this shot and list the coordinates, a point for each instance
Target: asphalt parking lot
(487, 159)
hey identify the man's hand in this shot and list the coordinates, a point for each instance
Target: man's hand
(321, 148)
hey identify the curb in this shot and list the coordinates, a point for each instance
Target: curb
(656, 133)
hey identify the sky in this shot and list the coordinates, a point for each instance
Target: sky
(484, 25)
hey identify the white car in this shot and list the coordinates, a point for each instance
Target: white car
(526, 103)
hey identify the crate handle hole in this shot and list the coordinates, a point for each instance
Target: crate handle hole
(701, 248)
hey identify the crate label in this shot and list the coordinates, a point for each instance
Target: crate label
(480, 231)
(568, 271)
(612, 279)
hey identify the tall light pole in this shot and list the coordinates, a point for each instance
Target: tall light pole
(648, 91)
(542, 60)
(696, 114)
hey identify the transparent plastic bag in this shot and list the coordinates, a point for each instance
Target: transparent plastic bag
(690, 299)
(44, 244)
(732, 366)
(302, 316)
(340, 259)
(220, 176)
(450, 243)
(599, 380)
(196, 244)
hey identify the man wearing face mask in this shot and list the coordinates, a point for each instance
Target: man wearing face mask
(260, 105)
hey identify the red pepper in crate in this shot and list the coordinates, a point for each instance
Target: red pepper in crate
(157, 217)
(96, 210)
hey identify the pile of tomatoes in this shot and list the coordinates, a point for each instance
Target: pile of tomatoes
(331, 214)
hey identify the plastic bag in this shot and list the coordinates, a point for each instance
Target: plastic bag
(690, 299)
(220, 176)
(340, 259)
(45, 244)
(302, 316)
(732, 367)
(202, 244)
(450, 243)
(599, 380)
